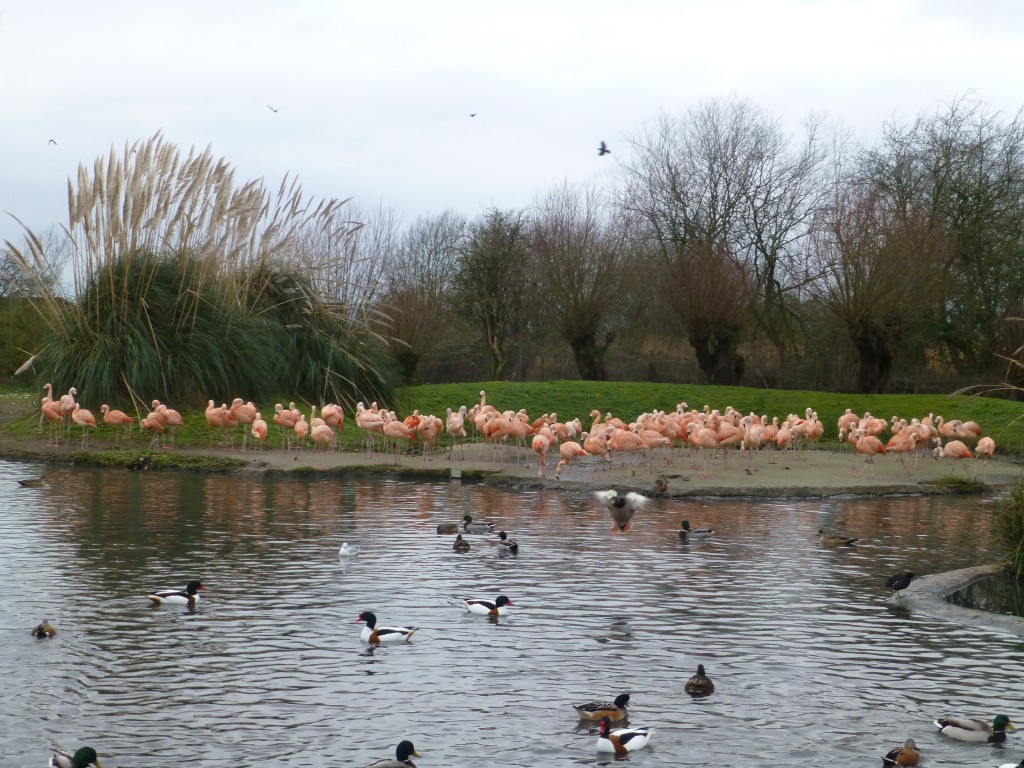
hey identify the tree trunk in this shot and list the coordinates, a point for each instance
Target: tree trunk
(716, 354)
(874, 357)
(589, 356)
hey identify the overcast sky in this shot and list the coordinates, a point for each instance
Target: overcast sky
(374, 98)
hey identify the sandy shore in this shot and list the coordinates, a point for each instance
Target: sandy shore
(792, 473)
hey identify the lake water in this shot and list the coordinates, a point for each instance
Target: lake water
(814, 662)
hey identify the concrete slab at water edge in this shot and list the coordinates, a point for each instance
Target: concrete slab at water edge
(928, 595)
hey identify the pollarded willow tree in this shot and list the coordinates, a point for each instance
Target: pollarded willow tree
(188, 287)
(883, 267)
(724, 195)
(963, 166)
(582, 262)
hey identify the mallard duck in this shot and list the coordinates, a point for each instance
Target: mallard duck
(189, 597)
(83, 758)
(486, 607)
(402, 754)
(348, 550)
(661, 485)
(460, 544)
(476, 526)
(899, 581)
(621, 506)
(505, 544)
(44, 630)
(32, 482)
(1013, 765)
(905, 755)
(375, 635)
(686, 533)
(700, 684)
(969, 729)
(834, 540)
(621, 740)
(595, 710)
(443, 529)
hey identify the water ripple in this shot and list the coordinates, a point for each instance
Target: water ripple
(813, 660)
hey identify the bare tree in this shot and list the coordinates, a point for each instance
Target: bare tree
(421, 273)
(16, 281)
(581, 259)
(724, 197)
(491, 281)
(964, 167)
(884, 268)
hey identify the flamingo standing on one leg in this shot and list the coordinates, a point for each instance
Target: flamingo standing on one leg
(259, 430)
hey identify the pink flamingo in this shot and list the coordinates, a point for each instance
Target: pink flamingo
(170, 417)
(984, 449)
(455, 426)
(868, 446)
(301, 429)
(540, 445)
(153, 424)
(322, 435)
(259, 429)
(117, 419)
(85, 420)
(569, 450)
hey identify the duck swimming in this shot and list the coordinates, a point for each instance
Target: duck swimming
(505, 544)
(347, 550)
(700, 684)
(621, 740)
(486, 607)
(44, 630)
(686, 533)
(834, 540)
(460, 544)
(190, 596)
(621, 506)
(905, 755)
(402, 754)
(375, 635)
(970, 729)
(83, 758)
(469, 525)
(595, 710)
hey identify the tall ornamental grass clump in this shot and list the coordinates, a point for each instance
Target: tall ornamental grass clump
(177, 294)
(1009, 530)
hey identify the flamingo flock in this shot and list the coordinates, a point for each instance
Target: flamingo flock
(705, 434)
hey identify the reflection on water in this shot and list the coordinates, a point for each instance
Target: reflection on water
(995, 593)
(812, 659)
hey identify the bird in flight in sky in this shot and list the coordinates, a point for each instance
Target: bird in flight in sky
(274, 110)
(472, 114)
(52, 141)
(603, 150)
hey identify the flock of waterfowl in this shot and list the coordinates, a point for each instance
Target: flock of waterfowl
(649, 432)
